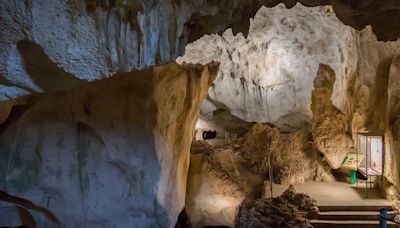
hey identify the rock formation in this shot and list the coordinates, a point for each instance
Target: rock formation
(115, 152)
(268, 76)
(110, 153)
(372, 98)
(93, 39)
(292, 155)
(216, 187)
(329, 123)
(222, 176)
(392, 160)
(291, 209)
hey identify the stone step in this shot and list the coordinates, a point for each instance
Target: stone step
(348, 223)
(374, 208)
(348, 215)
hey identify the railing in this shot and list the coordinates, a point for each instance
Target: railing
(383, 213)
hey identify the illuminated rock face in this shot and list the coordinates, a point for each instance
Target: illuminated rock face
(375, 103)
(293, 158)
(114, 153)
(221, 177)
(329, 123)
(92, 39)
(268, 76)
(392, 133)
(216, 187)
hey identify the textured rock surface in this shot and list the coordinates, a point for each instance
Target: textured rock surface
(218, 181)
(392, 143)
(292, 155)
(222, 120)
(373, 101)
(368, 90)
(383, 16)
(54, 44)
(329, 123)
(291, 209)
(268, 76)
(92, 39)
(255, 85)
(111, 153)
(221, 177)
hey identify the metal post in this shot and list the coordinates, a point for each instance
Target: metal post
(271, 176)
(366, 165)
(357, 151)
(383, 212)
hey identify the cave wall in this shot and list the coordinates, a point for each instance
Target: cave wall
(92, 39)
(218, 182)
(330, 131)
(268, 75)
(372, 98)
(368, 88)
(87, 39)
(391, 182)
(275, 75)
(234, 172)
(110, 153)
(57, 45)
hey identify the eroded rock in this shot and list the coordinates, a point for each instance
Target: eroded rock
(268, 75)
(391, 183)
(222, 176)
(292, 155)
(329, 123)
(218, 181)
(291, 209)
(112, 153)
(93, 39)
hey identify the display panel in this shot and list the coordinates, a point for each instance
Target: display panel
(371, 146)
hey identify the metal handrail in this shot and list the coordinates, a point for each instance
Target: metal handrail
(383, 212)
(390, 220)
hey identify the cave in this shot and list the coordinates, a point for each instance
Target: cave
(199, 113)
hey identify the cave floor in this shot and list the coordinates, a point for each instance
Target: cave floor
(335, 193)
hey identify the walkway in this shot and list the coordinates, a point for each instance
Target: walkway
(334, 193)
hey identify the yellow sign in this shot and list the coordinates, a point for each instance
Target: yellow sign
(350, 162)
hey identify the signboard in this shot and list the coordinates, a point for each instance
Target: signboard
(350, 162)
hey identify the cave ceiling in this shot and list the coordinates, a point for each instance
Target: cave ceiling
(77, 41)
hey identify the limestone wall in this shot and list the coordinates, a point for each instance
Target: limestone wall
(113, 153)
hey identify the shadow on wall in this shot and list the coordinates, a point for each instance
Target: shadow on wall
(43, 71)
(375, 118)
(24, 206)
(7, 82)
(87, 155)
